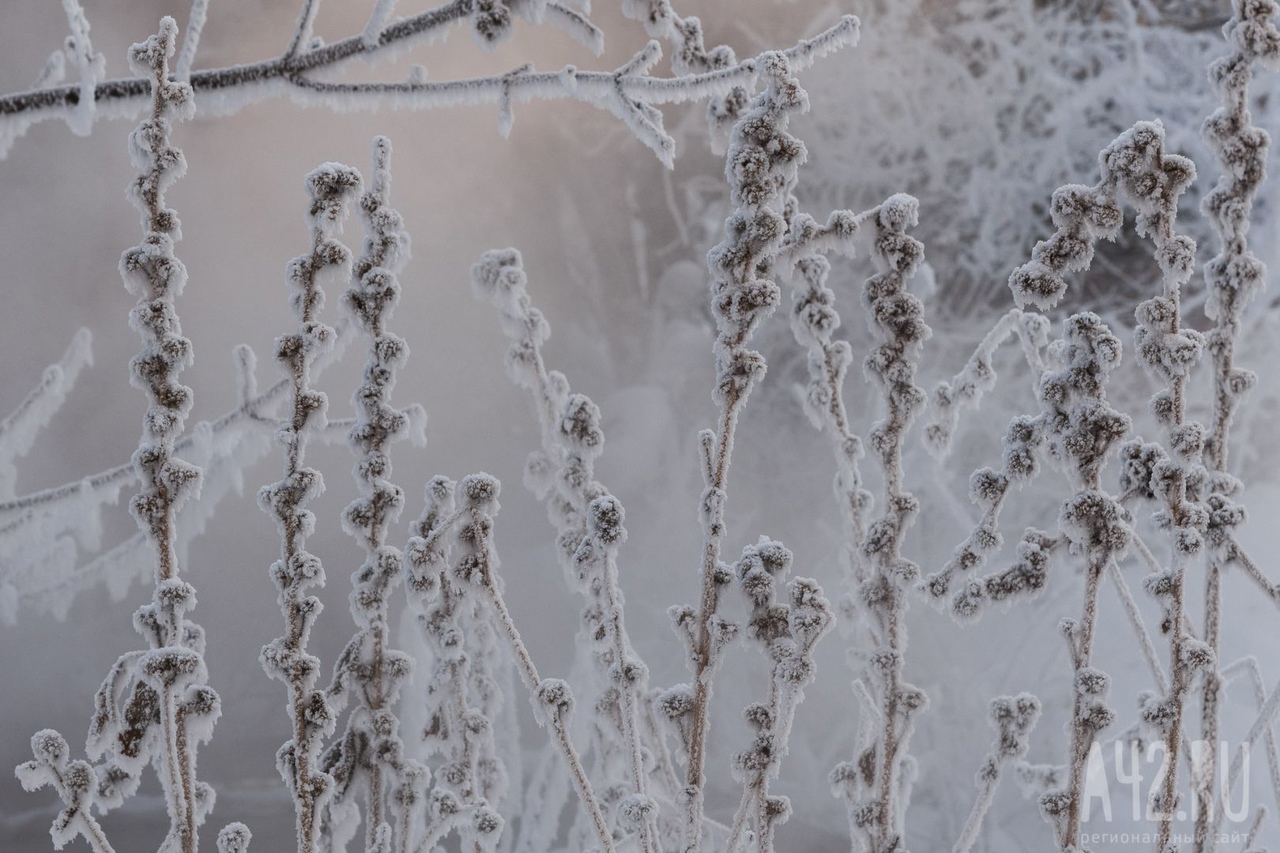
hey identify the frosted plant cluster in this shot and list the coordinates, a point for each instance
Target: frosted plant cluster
(625, 758)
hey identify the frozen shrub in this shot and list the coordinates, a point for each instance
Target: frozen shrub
(1114, 426)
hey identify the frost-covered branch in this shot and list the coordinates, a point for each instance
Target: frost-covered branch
(1250, 665)
(896, 320)
(966, 388)
(875, 785)
(446, 563)
(75, 783)
(1235, 275)
(302, 73)
(19, 429)
(42, 575)
(1263, 724)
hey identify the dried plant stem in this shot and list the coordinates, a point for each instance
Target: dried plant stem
(1262, 725)
(1082, 737)
(1233, 278)
(1254, 571)
(1013, 718)
(153, 272)
(704, 671)
(627, 699)
(1139, 629)
(533, 681)
(761, 167)
(1178, 688)
(332, 188)
(587, 520)
(1210, 701)
(628, 91)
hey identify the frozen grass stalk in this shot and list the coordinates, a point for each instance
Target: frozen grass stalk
(155, 705)
(1233, 278)
(588, 521)
(761, 169)
(369, 754)
(332, 187)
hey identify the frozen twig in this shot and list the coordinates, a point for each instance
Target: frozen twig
(75, 783)
(966, 388)
(19, 429)
(1013, 718)
(191, 42)
(1263, 725)
(154, 705)
(1233, 278)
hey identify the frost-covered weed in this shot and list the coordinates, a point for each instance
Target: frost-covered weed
(639, 758)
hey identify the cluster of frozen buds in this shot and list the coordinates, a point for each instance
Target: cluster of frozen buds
(876, 793)
(1133, 164)
(787, 632)
(451, 581)
(760, 167)
(1013, 718)
(370, 749)
(159, 699)
(1235, 275)
(331, 187)
(1076, 427)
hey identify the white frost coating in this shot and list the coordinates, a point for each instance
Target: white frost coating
(228, 90)
(332, 188)
(378, 19)
(234, 838)
(1013, 718)
(577, 26)
(588, 522)
(302, 29)
(92, 67)
(154, 706)
(450, 566)
(369, 673)
(46, 576)
(55, 69)
(191, 42)
(978, 376)
(18, 431)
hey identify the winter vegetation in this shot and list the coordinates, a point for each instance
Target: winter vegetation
(1071, 191)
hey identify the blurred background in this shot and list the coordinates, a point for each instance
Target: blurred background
(980, 108)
